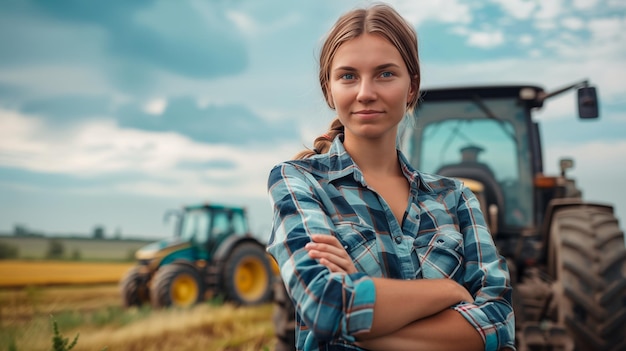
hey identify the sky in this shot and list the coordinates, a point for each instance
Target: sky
(112, 113)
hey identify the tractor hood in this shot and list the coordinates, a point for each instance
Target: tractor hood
(161, 249)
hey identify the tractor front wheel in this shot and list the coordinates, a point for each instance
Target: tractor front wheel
(247, 275)
(134, 289)
(587, 259)
(176, 285)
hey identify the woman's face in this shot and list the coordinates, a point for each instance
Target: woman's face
(369, 87)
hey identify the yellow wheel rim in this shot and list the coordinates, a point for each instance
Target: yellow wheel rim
(251, 279)
(184, 290)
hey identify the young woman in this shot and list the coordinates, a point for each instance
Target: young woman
(374, 254)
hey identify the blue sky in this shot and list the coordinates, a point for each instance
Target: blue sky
(113, 112)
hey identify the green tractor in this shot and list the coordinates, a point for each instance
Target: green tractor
(566, 255)
(212, 254)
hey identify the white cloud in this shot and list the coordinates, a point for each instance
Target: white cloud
(584, 4)
(609, 31)
(572, 23)
(545, 24)
(102, 148)
(525, 39)
(549, 9)
(446, 11)
(254, 28)
(57, 79)
(244, 22)
(616, 4)
(598, 170)
(551, 72)
(603, 53)
(519, 9)
(485, 39)
(155, 106)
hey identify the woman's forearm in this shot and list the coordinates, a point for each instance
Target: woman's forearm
(446, 330)
(401, 302)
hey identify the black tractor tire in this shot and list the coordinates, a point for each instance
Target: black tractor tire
(283, 318)
(134, 288)
(247, 276)
(587, 258)
(178, 285)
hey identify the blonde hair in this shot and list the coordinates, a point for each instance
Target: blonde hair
(380, 19)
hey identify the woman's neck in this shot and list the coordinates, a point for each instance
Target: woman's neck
(375, 158)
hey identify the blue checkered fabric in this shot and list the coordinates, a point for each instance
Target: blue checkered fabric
(442, 235)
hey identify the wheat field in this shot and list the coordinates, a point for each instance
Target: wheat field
(16, 273)
(94, 312)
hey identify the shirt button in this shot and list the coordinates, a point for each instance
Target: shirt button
(398, 239)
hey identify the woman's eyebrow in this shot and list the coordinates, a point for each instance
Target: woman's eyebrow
(387, 65)
(377, 68)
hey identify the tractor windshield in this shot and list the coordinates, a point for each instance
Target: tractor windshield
(194, 225)
(480, 139)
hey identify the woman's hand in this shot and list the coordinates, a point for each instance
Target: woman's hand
(328, 250)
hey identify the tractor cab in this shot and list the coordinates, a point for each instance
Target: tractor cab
(207, 226)
(486, 137)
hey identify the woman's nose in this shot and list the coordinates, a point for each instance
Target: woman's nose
(367, 92)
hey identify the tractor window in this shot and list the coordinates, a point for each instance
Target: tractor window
(489, 144)
(480, 142)
(221, 224)
(239, 223)
(195, 226)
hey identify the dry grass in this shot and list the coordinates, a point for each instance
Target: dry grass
(95, 313)
(14, 273)
(203, 327)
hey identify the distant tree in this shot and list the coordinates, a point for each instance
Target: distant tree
(8, 251)
(20, 230)
(56, 249)
(98, 232)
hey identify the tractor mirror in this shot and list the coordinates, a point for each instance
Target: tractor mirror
(587, 103)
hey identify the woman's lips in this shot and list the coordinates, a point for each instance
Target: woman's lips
(367, 113)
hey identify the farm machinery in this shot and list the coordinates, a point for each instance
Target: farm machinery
(212, 254)
(566, 256)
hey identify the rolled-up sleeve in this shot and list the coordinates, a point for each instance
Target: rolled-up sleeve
(332, 305)
(486, 277)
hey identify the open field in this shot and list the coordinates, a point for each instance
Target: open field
(88, 248)
(96, 315)
(14, 273)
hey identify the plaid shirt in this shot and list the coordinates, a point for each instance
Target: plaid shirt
(443, 235)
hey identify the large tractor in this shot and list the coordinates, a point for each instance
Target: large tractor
(566, 255)
(212, 254)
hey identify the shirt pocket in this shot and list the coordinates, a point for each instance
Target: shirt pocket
(440, 255)
(360, 243)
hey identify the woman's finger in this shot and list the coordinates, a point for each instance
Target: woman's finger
(327, 239)
(329, 248)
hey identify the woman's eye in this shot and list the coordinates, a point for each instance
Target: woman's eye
(347, 76)
(386, 74)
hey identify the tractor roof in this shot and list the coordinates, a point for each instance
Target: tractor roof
(528, 93)
(214, 206)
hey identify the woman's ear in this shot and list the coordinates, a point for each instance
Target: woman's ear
(413, 88)
(413, 91)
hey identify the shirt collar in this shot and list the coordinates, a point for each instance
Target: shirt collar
(341, 165)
